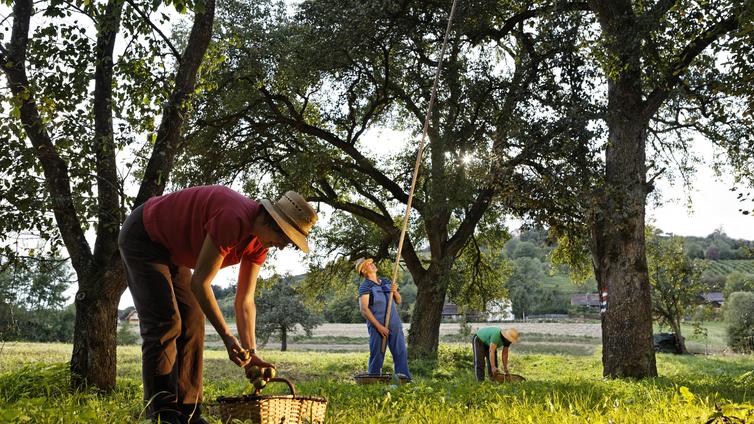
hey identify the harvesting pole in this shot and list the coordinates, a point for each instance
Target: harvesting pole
(438, 72)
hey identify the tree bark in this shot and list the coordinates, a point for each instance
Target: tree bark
(283, 339)
(424, 334)
(620, 263)
(94, 358)
(680, 343)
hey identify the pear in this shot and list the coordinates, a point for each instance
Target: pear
(268, 373)
(253, 372)
(259, 383)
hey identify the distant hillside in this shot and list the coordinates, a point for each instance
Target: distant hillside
(724, 267)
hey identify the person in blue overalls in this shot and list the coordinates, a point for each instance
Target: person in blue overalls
(374, 293)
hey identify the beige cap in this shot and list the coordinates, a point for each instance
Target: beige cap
(294, 215)
(511, 334)
(361, 262)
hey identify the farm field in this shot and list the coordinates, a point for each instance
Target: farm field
(561, 388)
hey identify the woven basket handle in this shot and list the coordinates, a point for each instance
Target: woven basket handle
(286, 381)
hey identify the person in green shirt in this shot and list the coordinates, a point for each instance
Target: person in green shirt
(484, 344)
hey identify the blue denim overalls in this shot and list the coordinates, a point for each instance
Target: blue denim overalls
(395, 340)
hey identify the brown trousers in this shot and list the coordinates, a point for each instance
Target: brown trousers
(170, 319)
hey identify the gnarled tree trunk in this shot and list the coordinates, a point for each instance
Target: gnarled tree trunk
(424, 334)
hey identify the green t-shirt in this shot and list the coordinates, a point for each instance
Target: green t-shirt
(491, 335)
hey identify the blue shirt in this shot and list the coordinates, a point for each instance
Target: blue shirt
(379, 294)
(367, 285)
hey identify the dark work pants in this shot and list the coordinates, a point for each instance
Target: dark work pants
(481, 356)
(170, 319)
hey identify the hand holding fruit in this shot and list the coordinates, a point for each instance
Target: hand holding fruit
(259, 376)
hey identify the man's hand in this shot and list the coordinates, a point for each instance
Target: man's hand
(255, 360)
(236, 353)
(383, 330)
(494, 370)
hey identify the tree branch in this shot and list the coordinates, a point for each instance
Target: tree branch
(157, 30)
(682, 62)
(108, 203)
(175, 110)
(298, 122)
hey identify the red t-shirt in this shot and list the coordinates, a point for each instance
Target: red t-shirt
(181, 221)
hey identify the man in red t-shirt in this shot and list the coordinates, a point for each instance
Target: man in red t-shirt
(204, 229)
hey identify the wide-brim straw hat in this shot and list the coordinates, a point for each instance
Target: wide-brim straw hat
(294, 215)
(361, 263)
(511, 334)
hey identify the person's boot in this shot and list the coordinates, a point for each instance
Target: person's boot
(167, 416)
(192, 413)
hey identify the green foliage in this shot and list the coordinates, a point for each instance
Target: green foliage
(127, 334)
(524, 285)
(32, 301)
(675, 281)
(280, 309)
(739, 315)
(343, 309)
(478, 275)
(737, 282)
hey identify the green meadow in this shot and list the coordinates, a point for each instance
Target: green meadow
(561, 388)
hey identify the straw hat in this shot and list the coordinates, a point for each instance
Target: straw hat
(511, 334)
(294, 215)
(361, 262)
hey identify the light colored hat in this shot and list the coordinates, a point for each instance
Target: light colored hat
(361, 262)
(294, 215)
(511, 334)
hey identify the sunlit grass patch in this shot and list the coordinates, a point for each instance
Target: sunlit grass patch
(34, 388)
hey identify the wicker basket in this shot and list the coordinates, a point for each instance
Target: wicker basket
(277, 409)
(379, 378)
(508, 378)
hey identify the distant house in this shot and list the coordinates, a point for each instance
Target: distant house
(132, 317)
(451, 311)
(496, 311)
(715, 299)
(589, 300)
(500, 310)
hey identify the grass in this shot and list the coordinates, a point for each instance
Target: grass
(561, 388)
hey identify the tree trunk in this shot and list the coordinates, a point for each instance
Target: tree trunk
(680, 343)
(283, 339)
(620, 263)
(424, 335)
(93, 361)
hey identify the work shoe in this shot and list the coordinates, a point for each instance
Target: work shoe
(192, 413)
(167, 416)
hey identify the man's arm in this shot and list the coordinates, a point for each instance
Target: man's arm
(367, 313)
(493, 354)
(505, 359)
(207, 264)
(245, 307)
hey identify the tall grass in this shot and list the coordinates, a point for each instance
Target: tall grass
(561, 388)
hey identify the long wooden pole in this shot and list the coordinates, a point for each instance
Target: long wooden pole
(438, 72)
